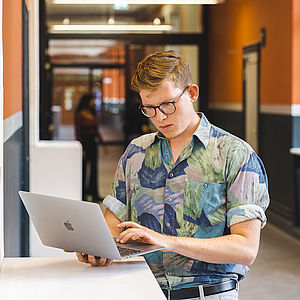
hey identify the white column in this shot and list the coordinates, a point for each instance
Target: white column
(55, 166)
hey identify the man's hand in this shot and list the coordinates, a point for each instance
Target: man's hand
(139, 233)
(95, 261)
(239, 247)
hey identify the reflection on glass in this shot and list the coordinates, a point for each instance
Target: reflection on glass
(181, 18)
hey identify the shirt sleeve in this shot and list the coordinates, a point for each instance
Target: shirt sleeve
(247, 185)
(116, 201)
(120, 201)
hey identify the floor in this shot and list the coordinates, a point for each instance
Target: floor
(275, 274)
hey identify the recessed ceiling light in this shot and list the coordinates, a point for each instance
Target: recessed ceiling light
(111, 21)
(156, 21)
(128, 2)
(66, 21)
(106, 27)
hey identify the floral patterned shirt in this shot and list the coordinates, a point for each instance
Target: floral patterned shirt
(216, 182)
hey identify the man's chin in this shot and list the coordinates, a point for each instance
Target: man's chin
(169, 136)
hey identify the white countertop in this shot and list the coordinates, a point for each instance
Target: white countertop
(295, 151)
(68, 279)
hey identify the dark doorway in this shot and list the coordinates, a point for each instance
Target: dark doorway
(25, 135)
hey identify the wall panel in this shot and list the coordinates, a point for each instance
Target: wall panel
(12, 123)
(12, 184)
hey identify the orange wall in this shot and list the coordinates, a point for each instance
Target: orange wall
(296, 53)
(115, 89)
(12, 57)
(236, 24)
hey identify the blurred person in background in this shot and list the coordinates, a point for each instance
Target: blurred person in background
(87, 133)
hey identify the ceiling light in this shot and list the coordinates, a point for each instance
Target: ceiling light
(128, 2)
(111, 21)
(156, 21)
(66, 21)
(106, 27)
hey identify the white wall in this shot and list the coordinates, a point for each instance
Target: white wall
(55, 167)
(1, 143)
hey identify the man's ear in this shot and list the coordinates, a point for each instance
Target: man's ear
(193, 92)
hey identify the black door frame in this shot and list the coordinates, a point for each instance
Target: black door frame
(24, 251)
(197, 39)
(129, 39)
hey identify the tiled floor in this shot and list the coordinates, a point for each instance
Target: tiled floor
(275, 275)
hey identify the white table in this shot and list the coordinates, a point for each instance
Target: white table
(295, 151)
(66, 278)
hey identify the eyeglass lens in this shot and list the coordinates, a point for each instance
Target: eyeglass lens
(166, 108)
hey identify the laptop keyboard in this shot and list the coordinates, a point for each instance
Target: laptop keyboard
(127, 251)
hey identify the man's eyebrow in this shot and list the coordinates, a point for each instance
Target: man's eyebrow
(166, 101)
(172, 56)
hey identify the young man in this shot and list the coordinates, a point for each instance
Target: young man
(191, 187)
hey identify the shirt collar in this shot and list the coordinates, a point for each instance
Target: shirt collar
(202, 131)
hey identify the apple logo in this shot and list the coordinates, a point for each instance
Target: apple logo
(68, 225)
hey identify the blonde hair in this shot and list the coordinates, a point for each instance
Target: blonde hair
(159, 67)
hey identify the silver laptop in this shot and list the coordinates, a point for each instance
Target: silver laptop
(77, 226)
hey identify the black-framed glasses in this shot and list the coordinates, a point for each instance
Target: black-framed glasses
(167, 108)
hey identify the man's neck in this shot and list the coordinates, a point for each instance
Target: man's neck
(179, 143)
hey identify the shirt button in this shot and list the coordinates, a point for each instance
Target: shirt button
(171, 175)
(168, 224)
(169, 199)
(205, 184)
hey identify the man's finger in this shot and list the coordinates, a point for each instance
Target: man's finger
(108, 262)
(105, 261)
(129, 224)
(81, 257)
(126, 235)
(93, 260)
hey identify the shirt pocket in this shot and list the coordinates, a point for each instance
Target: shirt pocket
(204, 205)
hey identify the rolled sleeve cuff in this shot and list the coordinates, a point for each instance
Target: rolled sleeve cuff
(244, 213)
(116, 207)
